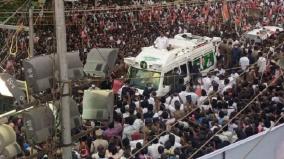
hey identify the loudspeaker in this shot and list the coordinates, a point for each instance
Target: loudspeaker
(98, 105)
(40, 70)
(12, 85)
(7, 136)
(6, 104)
(39, 124)
(100, 61)
(12, 150)
(75, 66)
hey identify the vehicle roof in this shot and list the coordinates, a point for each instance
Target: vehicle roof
(181, 47)
(269, 30)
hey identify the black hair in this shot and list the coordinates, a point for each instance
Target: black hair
(203, 92)
(161, 149)
(112, 148)
(172, 139)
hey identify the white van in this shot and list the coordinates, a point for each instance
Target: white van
(262, 33)
(152, 67)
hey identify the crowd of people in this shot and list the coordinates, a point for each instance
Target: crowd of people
(175, 126)
(107, 28)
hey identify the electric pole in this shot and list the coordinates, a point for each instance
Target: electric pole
(31, 32)
(61, 54)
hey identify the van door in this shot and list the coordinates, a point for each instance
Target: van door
(184, 73)
(205, 62)
(168, 81)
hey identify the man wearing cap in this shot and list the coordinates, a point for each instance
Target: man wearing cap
(98, 142)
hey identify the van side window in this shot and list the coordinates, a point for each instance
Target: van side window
(183, 70)
(168, 78)
(189, 64)
(196, 62)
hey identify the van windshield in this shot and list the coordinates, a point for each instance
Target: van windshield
(140, 78)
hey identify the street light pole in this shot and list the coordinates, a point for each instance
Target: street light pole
(31, 33)
(61, 54)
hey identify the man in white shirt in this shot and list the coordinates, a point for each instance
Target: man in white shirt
(193, 95)
(207, 82)
(165, 138)
(162, 42)
(171, 99)
(261, 63)
(227, 86)
(153, 149)
(244, 62)
(172, 108)
(183, 94)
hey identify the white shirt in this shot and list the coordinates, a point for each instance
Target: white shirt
(215, 78)
(138, 124)
(194, 97)
(183, 95)
(134, 142)
(164, 139)
(162, 42)
(226, 88)
(206, 83)
(221, 85)
(128, 131)
(276, 99)
(244, 62)
(261, 63)
(220, 72)
(153, 150)
(169, 102)
(233, 78)
(173, 109)
(201, 100)
(151, 100)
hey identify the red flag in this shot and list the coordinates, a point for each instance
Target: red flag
(225, 11)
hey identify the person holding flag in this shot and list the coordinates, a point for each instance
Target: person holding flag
(225, 11)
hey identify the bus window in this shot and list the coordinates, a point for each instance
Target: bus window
(183, 70)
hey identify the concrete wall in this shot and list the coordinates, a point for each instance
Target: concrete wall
(271, 147)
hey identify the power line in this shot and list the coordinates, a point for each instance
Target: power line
(126, 8)
(25, 3)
